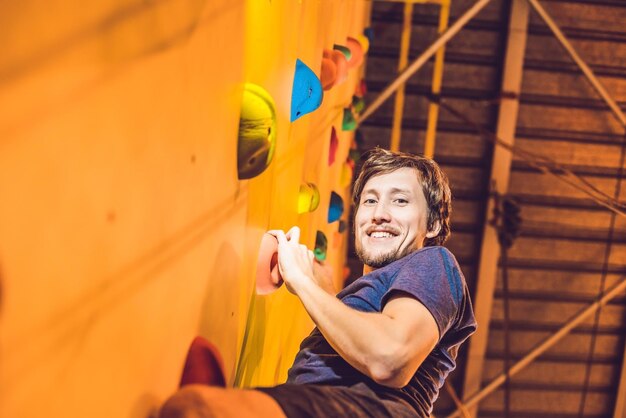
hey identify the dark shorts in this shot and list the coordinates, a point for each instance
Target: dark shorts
(318, 401)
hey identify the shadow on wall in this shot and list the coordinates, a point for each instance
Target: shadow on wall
(1, 291)
(77, 318)
(218, 316)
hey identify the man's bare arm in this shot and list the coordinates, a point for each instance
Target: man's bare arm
(387, 346)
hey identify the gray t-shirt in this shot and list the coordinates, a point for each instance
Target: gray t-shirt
(432, 276)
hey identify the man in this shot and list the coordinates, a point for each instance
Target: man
(384, 345)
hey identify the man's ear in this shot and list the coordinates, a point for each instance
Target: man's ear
(434, 231)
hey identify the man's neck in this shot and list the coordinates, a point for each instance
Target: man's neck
(367, 269)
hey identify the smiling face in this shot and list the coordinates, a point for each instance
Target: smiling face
(391, 218)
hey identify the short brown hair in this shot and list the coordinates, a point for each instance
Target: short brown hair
(434, 185)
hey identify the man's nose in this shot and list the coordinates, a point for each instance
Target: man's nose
(381, 214)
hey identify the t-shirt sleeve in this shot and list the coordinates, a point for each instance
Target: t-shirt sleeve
(432, 276)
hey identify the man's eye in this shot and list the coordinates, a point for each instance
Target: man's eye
(369, 201)
(402, 201)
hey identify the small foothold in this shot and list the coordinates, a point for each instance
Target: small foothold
(342, 226)
(358, 104)
(358, 138)
(344, 50)
(361, 88)
(349, 122)
(354, 156)
(347, 171)
(334, 144)
(369, 33)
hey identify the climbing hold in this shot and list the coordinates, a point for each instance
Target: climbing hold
(356, 53)
(358, 104)
(321, 246)
(306, 94)
(369, 33)
(361, 88)
(359, 138)
(365, 42)
(308, 198)
(342, 226)
(335, 208)
(344, 50)
(347, 171)
(354, 156)
(268, 276)
(203, 365)
(341, 62)
(334, 144)
(329, 73)
(349, 122)
(257, 132)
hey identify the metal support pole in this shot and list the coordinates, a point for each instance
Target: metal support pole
(423, 58)
(544, 346)
(579, 61)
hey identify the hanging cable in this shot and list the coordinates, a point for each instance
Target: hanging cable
(605, 268)
(541, 163)
(507, 221)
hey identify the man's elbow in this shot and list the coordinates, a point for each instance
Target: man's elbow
(390, 377)
(394, 370)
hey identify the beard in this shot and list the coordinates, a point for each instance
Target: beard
(381, 259)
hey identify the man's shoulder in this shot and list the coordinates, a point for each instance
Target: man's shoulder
(435, 253)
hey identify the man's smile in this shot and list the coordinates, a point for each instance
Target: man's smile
(381, 233)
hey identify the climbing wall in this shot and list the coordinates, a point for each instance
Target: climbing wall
(125, 229)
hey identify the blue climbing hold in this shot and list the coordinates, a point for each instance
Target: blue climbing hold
(307, 93)
(335, 209)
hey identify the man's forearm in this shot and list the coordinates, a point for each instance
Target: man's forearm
(365, 340)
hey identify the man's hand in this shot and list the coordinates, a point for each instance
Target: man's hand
(295, 260)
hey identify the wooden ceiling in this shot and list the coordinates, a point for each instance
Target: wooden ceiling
(570, 249)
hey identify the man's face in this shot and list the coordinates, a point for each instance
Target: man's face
(391, 219)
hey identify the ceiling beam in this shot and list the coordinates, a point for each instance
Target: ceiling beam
(544, 346)
(591, 77)
(499, 181)
(423, 58)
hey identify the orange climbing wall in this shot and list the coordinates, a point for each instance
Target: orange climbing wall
(124, 231)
